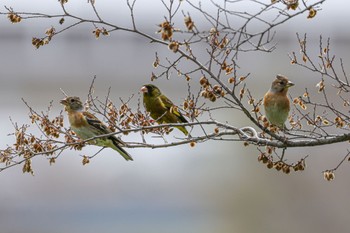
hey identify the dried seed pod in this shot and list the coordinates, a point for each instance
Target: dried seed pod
(269, 164)
(261, 157)
(269, 150)
(328, 175)
(52, 161)
(224, 65)
(321, 86)
(85, 160)
(14, 18)
(216, 130)
(97, 33)
(105, 32)
(228, 70)
(286, 169)
(213, 98)
(217, 89)
(185, 105)
(312, 13)
(189, 23)
(222, 93)
(166, 30)
(174, 46)
(242, 78)
(278, 165)
(232, 80)
(204, 94)
(203, 81)
(296, 100)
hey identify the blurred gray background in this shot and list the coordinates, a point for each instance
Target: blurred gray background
(214, 187)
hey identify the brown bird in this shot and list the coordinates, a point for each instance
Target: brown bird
(276, 101)
(87, 125)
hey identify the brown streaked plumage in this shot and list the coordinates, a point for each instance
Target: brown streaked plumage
(87, 125)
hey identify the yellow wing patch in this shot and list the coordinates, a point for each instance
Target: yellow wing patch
(174, 110)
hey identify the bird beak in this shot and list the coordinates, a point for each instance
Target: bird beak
(144, 89)
(290, 84)
(64, 102)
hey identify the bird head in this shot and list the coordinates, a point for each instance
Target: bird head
(72, 103)
(150, 90)
(281, 84)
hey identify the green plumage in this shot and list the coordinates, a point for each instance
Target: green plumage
(161, 108)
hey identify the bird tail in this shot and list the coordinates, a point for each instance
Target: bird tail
(116, 146)
(183, 129)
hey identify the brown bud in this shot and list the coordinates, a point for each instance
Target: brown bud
(293, 5)
(269, 150)
(185, 105)
(228, 70)
(223, 66)
(14, 18)
(97, 33)
(264, 119)
(203, 81)
(189, 23)
(174, 46)
(286, 169)
(217, 89)
(260, 157)
(312, 13)
(242, 78)
(278, 165)
(153, 77)
(222, 93)
(231, 80)
(265, 159)
(105, 32)
(216, 130)
(269, 164)
(85, 160)
(52, 161)
(328, 175)
(204, 94)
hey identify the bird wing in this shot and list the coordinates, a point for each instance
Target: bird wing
(96, 123)
(171, 107)
(166, 102)
(101, 128)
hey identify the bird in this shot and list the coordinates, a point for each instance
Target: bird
(161, 108)
(86, 125)
(276, 102)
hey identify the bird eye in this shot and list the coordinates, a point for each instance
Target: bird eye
(72, 100)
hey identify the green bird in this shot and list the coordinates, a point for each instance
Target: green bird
(161, 108)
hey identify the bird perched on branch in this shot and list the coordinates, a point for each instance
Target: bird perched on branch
(276, 101)
(86, 126)
(161, 108)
